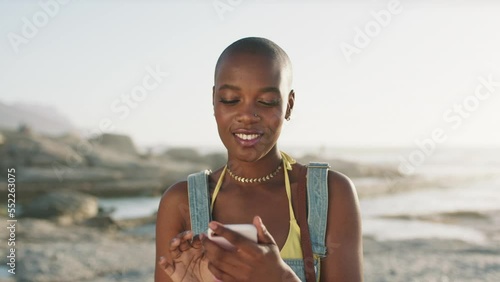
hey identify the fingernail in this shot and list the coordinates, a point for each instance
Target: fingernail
(260, 221)
(162, 259)
(212, 225)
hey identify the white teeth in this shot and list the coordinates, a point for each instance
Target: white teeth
(247, 136)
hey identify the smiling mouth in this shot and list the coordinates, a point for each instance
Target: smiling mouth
(247, 137)
(247, 140)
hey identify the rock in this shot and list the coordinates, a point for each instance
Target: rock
(102, 222)
(183, 154)
(22, 149)
(128, 187)
(118, 143)
(98, 155)
(68, 206)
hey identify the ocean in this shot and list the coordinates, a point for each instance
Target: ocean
(399, 216)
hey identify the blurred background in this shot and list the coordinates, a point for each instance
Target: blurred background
(105, 104)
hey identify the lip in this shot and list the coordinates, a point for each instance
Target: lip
(249, 142)
(247, 131)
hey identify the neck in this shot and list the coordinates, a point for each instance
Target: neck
(255, 168)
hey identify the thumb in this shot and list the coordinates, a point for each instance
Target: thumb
(263, 236)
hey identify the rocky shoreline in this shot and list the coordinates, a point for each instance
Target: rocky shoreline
(110, 165)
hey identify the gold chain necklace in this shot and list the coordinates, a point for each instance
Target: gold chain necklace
(254, 180)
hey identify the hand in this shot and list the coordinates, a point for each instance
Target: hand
(249, 261)
(186, 261)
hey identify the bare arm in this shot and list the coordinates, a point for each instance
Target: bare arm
(172, 219)
(344, 260)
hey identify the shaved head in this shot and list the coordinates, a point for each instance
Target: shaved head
(258, 46)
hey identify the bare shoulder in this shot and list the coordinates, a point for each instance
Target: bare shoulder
(343, 239)
(344, 219)
(341, 188)
(343, 205)
(177, 191)
(174, 204)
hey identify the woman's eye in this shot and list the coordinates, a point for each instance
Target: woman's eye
(269, 103)
(229, 102)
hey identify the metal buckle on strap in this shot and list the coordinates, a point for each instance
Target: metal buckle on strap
(319, 165)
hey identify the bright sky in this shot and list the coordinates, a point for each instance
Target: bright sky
(424, 69)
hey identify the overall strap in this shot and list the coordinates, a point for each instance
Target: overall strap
(305, 238)
(199, 201)
(317, 192)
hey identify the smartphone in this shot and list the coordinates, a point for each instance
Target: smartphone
(247, 230)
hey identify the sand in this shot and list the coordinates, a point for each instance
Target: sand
(51, 252)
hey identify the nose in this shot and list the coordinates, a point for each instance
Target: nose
(248, 115)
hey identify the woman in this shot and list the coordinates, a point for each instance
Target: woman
(252, 97)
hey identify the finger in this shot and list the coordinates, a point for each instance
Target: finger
(174, 248)
(220, 257)
(222, 275)
(217, 273)
(185, 243)
(162, 261)
(196, 242)
(177, 240)
(167, 267)
(174, 244)
(180, 239)
(263, 236)
(229, 262)
(239, 241)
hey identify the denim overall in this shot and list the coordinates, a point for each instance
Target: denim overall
(317, 202)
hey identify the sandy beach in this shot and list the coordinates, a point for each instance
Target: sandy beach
(124, 250)
(51, 252)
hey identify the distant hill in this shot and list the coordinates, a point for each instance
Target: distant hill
(40, 118)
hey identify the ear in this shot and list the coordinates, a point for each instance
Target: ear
(291, 102)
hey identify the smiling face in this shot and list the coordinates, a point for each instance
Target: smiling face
(251, 98)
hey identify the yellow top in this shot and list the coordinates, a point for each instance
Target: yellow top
(292, 248)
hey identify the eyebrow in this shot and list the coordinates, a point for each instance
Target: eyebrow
(262, 90)
(270, 89)
(229, 87)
